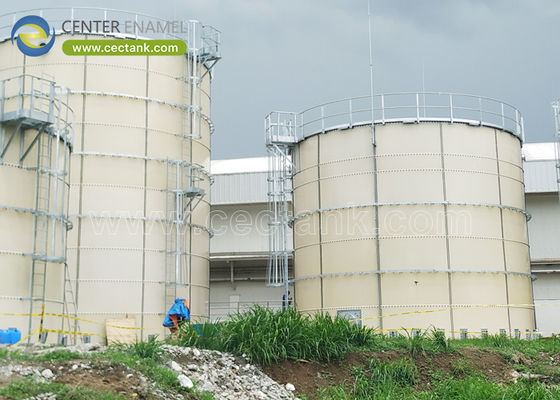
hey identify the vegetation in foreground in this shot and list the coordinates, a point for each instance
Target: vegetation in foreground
(148, 358)
(267, 337)
(25, 388)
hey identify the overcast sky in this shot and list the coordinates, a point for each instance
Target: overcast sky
(293, 54)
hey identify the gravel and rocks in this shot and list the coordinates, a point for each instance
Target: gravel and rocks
(225, 376)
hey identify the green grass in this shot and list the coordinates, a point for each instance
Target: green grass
(267, 337)
(462, 368)
(150, 349)
(145, 357)
(507, 347)
(379, 380)
(394, 387)
(54, 356)
(25, 388)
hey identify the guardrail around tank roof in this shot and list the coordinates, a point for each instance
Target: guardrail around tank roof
(204, 38)
(408, 107)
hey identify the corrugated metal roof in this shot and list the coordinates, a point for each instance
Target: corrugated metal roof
(540, 176)
(240, 188)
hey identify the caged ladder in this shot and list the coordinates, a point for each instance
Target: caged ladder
(280, 137)
(183, 191)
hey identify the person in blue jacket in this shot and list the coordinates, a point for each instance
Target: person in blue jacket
(178, 313)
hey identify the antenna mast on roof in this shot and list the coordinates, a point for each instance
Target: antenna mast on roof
(370, 31)
(556, 110)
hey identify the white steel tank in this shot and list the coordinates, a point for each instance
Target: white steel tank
(140, 186)
(416, 221)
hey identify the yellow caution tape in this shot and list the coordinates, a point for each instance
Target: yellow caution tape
(21, 314)
(447, 308)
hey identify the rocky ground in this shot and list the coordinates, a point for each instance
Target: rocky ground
(223, 375)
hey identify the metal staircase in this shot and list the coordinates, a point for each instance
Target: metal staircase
(184, 178)
(33, 106)
(280, 137)
(183, 196)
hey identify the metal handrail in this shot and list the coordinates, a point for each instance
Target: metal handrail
(398, 107)
(207, 39)
(49, 101)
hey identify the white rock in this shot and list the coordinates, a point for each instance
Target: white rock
(184, 381)
(129, 376)
(196, 352)
(47, 374)
(175, 366)
(192, 367)
(290, 387)
(74, 367)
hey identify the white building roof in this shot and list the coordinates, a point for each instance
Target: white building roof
(239, 165)
(538, 151)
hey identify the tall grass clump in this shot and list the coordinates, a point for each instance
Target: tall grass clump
(266, 336)
(151, 349)
(440, 342)
(417, 342)
(205, 337)
(380, 380)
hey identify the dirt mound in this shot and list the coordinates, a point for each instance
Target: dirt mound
(308, 377)
(116, 379)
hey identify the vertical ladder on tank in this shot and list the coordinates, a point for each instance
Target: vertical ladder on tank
(280, 137)
(183, 177)
(41, 221)
(556, 110)
(70, 305)
(183, 196)
(174, 237)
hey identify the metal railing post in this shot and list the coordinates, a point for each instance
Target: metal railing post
(323, 119)
(480, 110)
(350, 123)
(3, 98)
(451, 107)
(417, 107)
(51, 100)
(20, 94)
(32, 95)
(517, 130)
(383, 109)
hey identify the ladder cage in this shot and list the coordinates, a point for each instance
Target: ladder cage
(280, 137)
